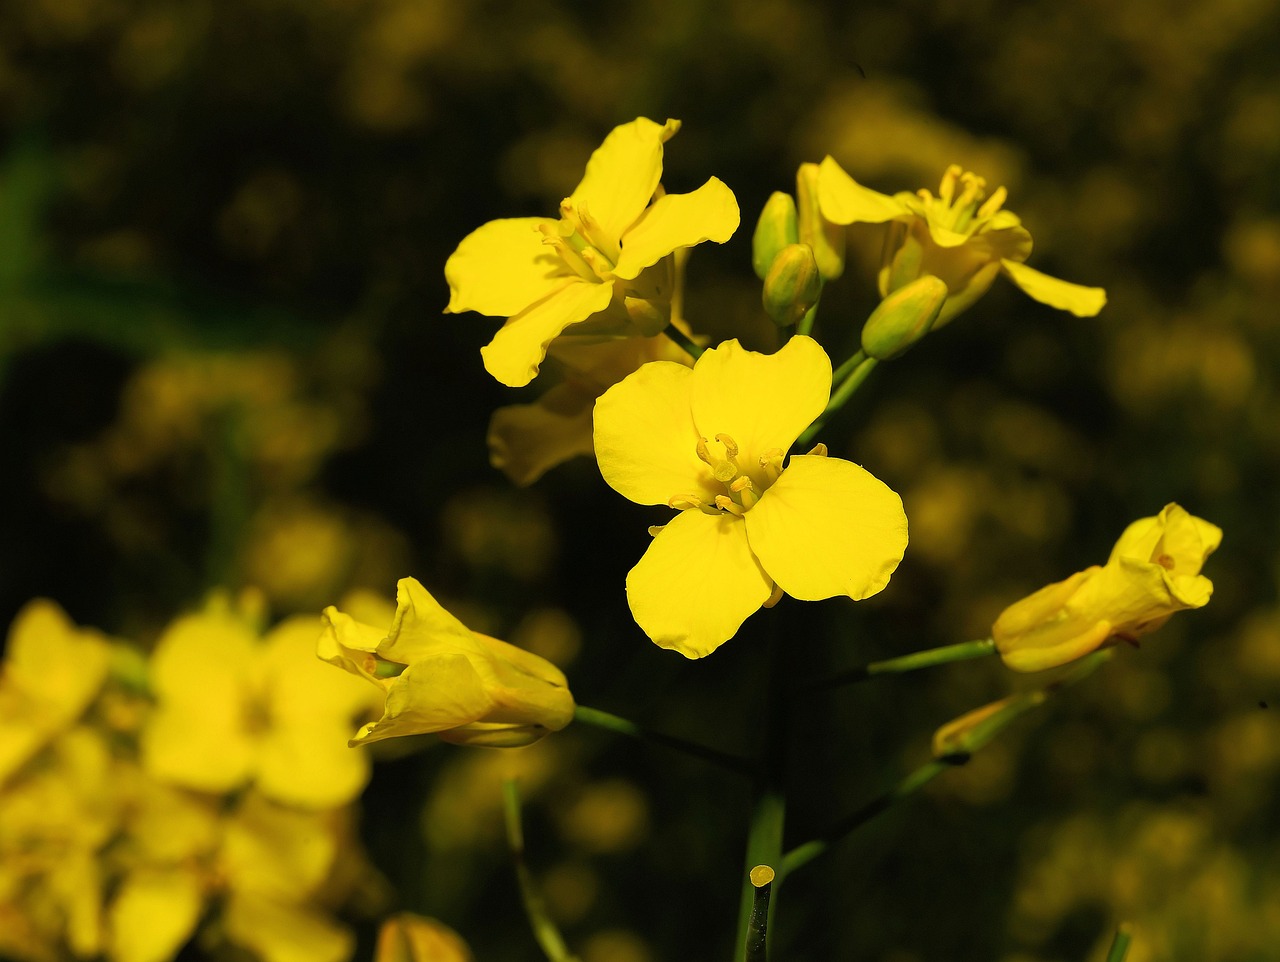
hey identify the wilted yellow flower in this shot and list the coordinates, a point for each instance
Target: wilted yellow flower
(600, 260)
(51, 672)
(232, 709)
(1153, 571)
(710, 440)
(962, 236)
(441, 677)
(411, 938)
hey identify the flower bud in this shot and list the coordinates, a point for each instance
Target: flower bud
(961, 737)
(775, 229)
(411, 938)
(826, 239)
(903, 317)
(792, 285)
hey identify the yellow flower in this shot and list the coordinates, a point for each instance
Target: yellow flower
(232, 709)
(600, 260)
(411, 938)
(962, 236)
(710, 440)
(439, 676)
(1153, 571)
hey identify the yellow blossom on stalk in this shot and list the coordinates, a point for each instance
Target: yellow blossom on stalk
(1153, 571)
(411, 938)
(233, 709)
(600, 260)
(441, 677)
(963, 236)
(711, 441)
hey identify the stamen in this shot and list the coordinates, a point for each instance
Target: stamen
(947, 189)
(771, 463)
(725, 503)
(743, 483)
(683, 502)
(993, 203)
(703, 452)
(730, 446)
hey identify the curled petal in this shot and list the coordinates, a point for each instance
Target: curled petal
(503, 267)
(422, 628)
(678, 220)
(516, 351)
(432, 695)
(697, 583)
(1065, 296)
(622, 175)
(844, 201)
(828, 528)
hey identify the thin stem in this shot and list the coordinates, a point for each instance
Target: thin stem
(841, 395)
(683, 340)
(848, 367)
(544, 929)
(756, 945)
(621, 726)
(1120, 944)
(803, 854)
(963, 651)
(805, 324)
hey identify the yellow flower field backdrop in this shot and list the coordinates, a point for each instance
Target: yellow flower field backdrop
(231, 396)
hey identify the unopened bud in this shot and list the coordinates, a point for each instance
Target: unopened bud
(903, 317)
(648, 317)
(960, 738)
(412, 938)
(775, 229)
(792, 285)
(826, 239)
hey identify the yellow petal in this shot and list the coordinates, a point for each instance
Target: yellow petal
(516, 351)
(299, 686)
(285, 933)
(761, 401)
(422, 628)
(431, 695)
(278, 853)
(412, 938)
(1054, 643)
(153, 914)
(306, 762)
(503, 267)
(1185, 540)
(678, 220)
(844, 201)
(1065, 296)
(645, 438)
(622, 174)
(527, 440)
(697, 583)
(828, 528)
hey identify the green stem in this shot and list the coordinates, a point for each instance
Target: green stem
(544, 929)
(803, 854)
(756, 947)
(683, 340)
(621, 726)
(848, 367)
(839, 396)
(963, 651)
(1120, 944)
(805, 324)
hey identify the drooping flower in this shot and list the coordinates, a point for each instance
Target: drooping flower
(963, 236)
(604, 259)
(441, 677)
(711, 441)
(1153, 571)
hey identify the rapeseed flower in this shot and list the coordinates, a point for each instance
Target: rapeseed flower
(441, 677)
(598, 261)
(710, 441)
(412, 938)
(1153, 571)
(963, 236)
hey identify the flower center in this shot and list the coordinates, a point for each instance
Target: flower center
(967, 211)
(576, 238)
(740, 492)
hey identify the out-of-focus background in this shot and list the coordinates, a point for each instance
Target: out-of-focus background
(223, 362)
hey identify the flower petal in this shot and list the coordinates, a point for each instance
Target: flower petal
(516, 351)
(279, 932)
(503, 267)
(844, 201)
(622, 175)
(422, 628)
(527, 440)
(828, 527)
(1065, 296)
(697, 583)
(431, 695)
(645, 438)
(153, 914)
(679, 220)
(761, 401)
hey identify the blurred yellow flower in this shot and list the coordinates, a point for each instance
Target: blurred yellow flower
(747, 528)
(597, 261)
(1153, 571)
(51, 672)
(232, 709)
(441, 677)
(411, 938)
(962, 236)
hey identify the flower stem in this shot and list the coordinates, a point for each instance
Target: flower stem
(544, 929)
(963, 651)
(621, 726)
(848, 367)
(1120, 944)
(756, 945)
(805, 324)
(683, 340)
(851, 382)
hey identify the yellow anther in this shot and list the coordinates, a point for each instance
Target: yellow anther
(819, 450)
(703, 452)
(683, 502)
(993, 203)
(730, 446)
(742, 483)
(771, 463)
(726, 503)
(947, 189)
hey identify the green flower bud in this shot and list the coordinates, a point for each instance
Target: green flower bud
(775, 229)
(826, 238)
(903, 317)
(792, 285)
